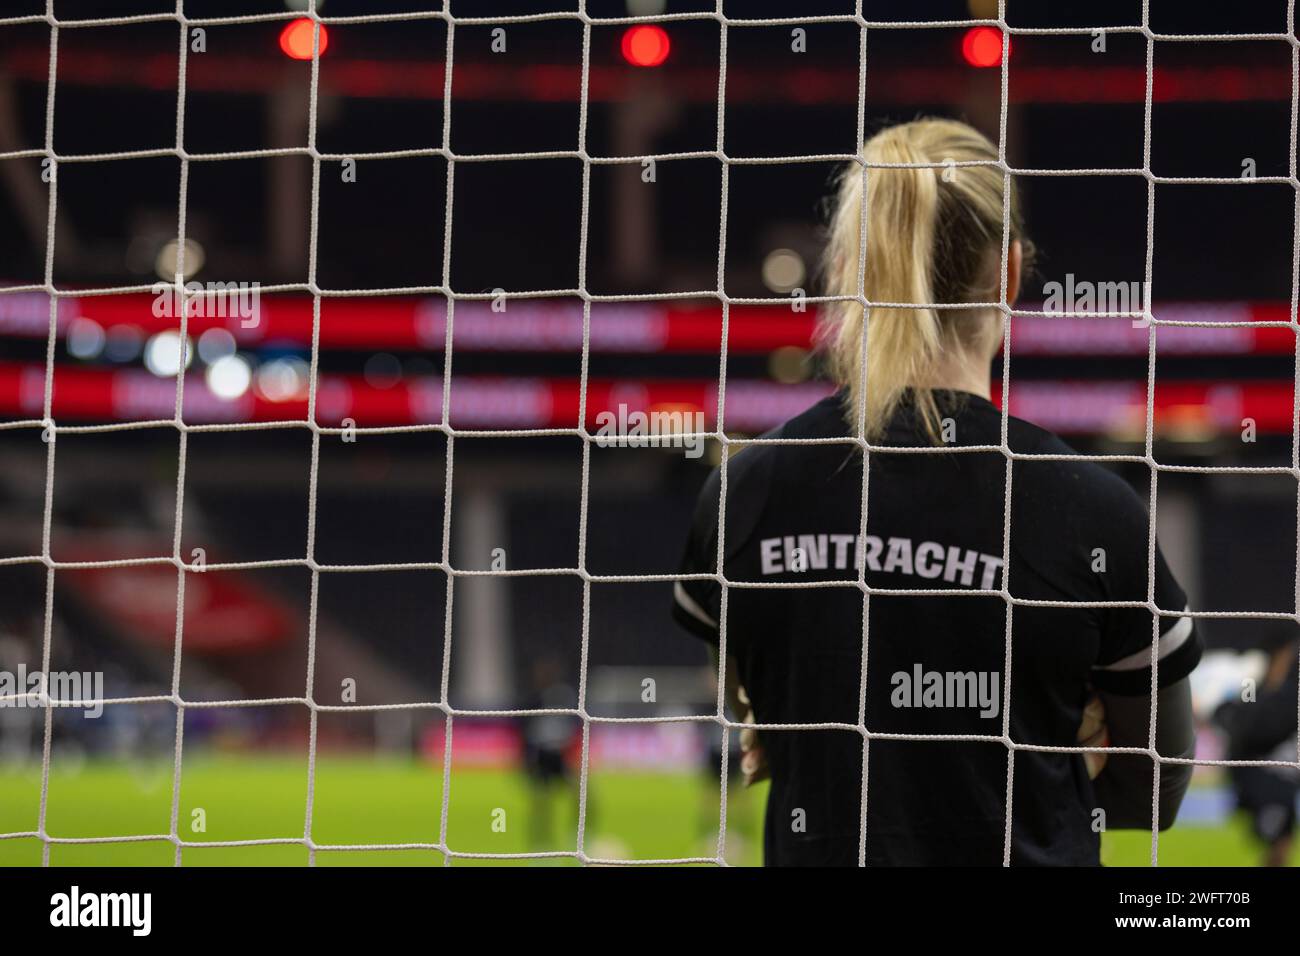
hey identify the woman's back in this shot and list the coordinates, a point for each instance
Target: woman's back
(936, 662)
(913, 322)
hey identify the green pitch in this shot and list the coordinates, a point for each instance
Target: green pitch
(365, 801)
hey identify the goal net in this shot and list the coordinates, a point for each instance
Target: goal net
(442, 419)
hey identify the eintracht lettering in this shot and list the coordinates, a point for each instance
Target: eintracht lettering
(928, 560)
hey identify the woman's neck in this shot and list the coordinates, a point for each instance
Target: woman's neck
(963, 372)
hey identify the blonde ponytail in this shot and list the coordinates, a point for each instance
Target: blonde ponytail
(930, 239)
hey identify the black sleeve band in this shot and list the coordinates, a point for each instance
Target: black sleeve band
(1179, 651)
(691, 615)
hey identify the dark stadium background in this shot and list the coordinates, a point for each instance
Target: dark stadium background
(516, 226)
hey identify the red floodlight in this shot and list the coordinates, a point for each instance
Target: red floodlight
(645, 45)
(297, 38)
(982, 46)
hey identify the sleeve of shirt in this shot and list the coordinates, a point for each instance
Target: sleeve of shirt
(1124, 662)
(697, 602)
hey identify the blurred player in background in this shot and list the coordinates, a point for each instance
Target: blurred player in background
(20, 727)
(936, 521)
(1264, 728)
(549, 740)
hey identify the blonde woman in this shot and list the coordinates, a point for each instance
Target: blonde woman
(935, 665)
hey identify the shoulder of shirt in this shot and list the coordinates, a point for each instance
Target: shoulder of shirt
(1078, 484)
(755, 463)
(751, 470)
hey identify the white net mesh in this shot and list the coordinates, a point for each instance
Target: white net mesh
(52, 429)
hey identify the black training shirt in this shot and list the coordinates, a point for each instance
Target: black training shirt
(936, 663)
